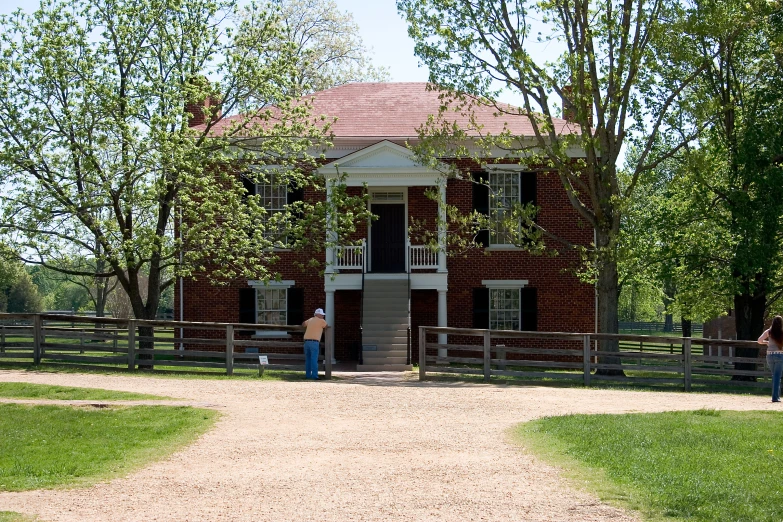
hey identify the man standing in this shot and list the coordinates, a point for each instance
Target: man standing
(312, 342)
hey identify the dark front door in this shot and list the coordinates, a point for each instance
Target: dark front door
(388, 238)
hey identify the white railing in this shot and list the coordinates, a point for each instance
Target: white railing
(349, 257)
(422, 257)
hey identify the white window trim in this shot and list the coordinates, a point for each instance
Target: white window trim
(272, 169)
(490, 172)
(504, 284)
(286, 284)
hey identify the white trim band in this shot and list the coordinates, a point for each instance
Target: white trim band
(505, 283)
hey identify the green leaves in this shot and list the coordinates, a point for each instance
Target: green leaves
(103, 157)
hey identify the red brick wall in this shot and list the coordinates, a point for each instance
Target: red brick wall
(347, 312)
(564, 304)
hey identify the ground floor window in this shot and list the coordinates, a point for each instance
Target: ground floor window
(272, 305)
(504, 309)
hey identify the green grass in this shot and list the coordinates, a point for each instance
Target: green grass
(23, 390)
(176, 372)
(703, 465)
(11, 516)
(50, 446)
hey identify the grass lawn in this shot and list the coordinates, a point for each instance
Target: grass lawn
(160, 370)
(23, 390)
(703, 465)
(48, 446)
(10, 516)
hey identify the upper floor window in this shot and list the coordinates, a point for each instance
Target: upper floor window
(504, 194)
(495, 194)
(274, 197)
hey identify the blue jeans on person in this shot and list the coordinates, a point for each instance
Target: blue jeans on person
(311, 349)
(775, 363)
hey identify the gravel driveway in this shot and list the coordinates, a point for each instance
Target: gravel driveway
(369, 447)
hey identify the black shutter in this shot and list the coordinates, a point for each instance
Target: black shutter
(249, 186)
(295, 306)
(295, 194)
(481, 308)
(529, 305)
(481, 202)
(247, 305)
(527, 188)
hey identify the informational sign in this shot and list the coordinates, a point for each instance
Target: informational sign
(263, 360)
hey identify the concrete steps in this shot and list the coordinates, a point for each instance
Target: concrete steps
(385, 326)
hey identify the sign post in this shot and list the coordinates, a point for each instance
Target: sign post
(263, 361)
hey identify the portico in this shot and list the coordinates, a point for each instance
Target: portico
(386, 253)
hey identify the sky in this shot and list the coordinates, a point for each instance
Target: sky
(381, 28)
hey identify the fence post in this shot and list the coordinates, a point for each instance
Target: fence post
(131, 344)
(37, 337)
(2, 338)
(501, 354)
(328, 352)
(686, 355)
(422, 353)
(229, 349)
(586, 358)
(487, 355)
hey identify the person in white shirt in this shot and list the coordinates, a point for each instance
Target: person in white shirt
(773, 338)
(312, 342)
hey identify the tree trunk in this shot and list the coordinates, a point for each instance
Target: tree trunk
(749, 320)
(145, 311)
(668, 323)
(686, 327)
(608, 300)
(669, 293)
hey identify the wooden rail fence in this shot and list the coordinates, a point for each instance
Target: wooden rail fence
(91, 341)
(576, 356)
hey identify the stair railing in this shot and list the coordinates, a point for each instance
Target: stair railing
(408, 269)
(361, 303)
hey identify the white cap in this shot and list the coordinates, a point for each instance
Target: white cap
(320, 311)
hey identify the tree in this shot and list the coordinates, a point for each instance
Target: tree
(744, 87)
(114, 124)
(18, 293)
(717, 224)
(327, 48)
(620, 76)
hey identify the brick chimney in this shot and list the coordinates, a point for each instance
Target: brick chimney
(569, 111)
(198, 110)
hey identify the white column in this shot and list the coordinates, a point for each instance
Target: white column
(442, 321)
(329, 269)
(442, 226)
(330, 313)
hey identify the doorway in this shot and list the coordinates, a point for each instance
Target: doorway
(387, 238)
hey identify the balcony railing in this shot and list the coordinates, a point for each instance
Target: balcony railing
(422, 257)
(350, 257)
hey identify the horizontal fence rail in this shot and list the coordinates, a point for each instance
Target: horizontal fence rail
(119, 343)
(656, 326)
(582, 357)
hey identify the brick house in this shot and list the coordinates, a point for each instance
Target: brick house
(372, 293)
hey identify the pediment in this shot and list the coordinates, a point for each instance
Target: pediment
(382, 155)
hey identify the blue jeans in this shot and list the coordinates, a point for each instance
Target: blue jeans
(775, 363)
(311, 349)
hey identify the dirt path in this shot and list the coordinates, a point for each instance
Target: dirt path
(366, 448)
